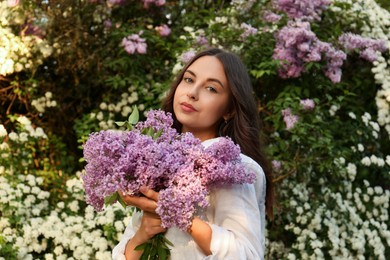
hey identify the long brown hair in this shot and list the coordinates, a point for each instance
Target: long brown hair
(244, 125)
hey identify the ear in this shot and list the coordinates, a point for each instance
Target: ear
(228, 116)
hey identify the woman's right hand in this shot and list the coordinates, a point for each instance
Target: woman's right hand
(147, 203)
(150, 226)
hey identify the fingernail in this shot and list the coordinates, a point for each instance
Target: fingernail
(143, 189)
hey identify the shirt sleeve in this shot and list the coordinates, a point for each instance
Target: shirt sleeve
(118, 253)
(237, 229)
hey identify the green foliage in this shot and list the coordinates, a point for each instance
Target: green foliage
(75, 78)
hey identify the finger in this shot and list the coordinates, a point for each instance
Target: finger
(151, 194)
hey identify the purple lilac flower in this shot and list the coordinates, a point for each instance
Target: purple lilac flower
(289, 119)
(367, 47)
(163, 30)
(187, 56)
(276, 165)
(219, 165)
(147, 3)
(134, 43)
(307, 104)
(159, 121)
(116, 2)
(202, 40)
(271, 17)
(248, 31)
(297, 45)
(176, 165)
(107, 24)
(102, 151)
(303, 9)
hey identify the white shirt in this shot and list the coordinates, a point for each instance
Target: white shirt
(237, 218)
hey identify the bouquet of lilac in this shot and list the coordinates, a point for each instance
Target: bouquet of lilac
(154, 154)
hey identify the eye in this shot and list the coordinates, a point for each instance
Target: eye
(188, 80)
(211, 89)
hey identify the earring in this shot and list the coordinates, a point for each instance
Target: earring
(222, 127)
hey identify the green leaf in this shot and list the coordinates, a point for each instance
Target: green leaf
(111, 198)
(158, 134)
(134, 117)
(162, 253)
(141, 246)
(120, 123)
(122, 202)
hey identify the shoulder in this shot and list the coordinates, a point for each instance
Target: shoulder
(251, 164)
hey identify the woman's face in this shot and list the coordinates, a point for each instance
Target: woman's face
(202, 98)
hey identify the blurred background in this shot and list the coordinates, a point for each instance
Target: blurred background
(320, 71)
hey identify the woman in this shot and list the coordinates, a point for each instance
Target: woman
(212, 97)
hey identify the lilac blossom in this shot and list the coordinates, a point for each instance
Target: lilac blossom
(202, 40)
(116, 2)
(163, 30)
(297, 45)
(303, 9)
(248, 31)
(307, 104)
(187, 56)
(271, 17)
(147, 3)
(366, 47)
(276, 165)
(176, 165)
(134, 43)
(107, 24)
(289, 119)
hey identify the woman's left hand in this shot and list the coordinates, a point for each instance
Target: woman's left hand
(147, 203)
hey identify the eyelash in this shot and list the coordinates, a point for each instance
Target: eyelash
(188, 80)
(211, 89)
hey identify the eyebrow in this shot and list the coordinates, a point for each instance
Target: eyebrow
(209, 79)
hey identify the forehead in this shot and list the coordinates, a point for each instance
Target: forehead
(208, 67)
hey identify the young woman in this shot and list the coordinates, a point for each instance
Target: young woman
(212, 97)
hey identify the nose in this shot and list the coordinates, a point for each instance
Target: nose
(193, 93)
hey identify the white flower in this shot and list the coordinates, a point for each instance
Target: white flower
(351, 169)
(3, 131)
(74, 206)
(366, 161)
(24, 120)
(360, 147)
(99, 116)
(13, 136)
(48, 95)
(103, 106)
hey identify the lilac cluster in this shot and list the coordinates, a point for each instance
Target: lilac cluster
(176, 165)
(163, 30)
(134, 43)
(116, 2)
(271, 17)
(202, 40)
(307, 104)
(248, 31)
(147, 3)
(187, 56)
(276, 165)
(303, 9)
(297, 45)
(289, 119)
(367, 47)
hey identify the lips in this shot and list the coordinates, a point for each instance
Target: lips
(187, 107)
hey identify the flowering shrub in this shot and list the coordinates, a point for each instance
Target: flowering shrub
(319, 68)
